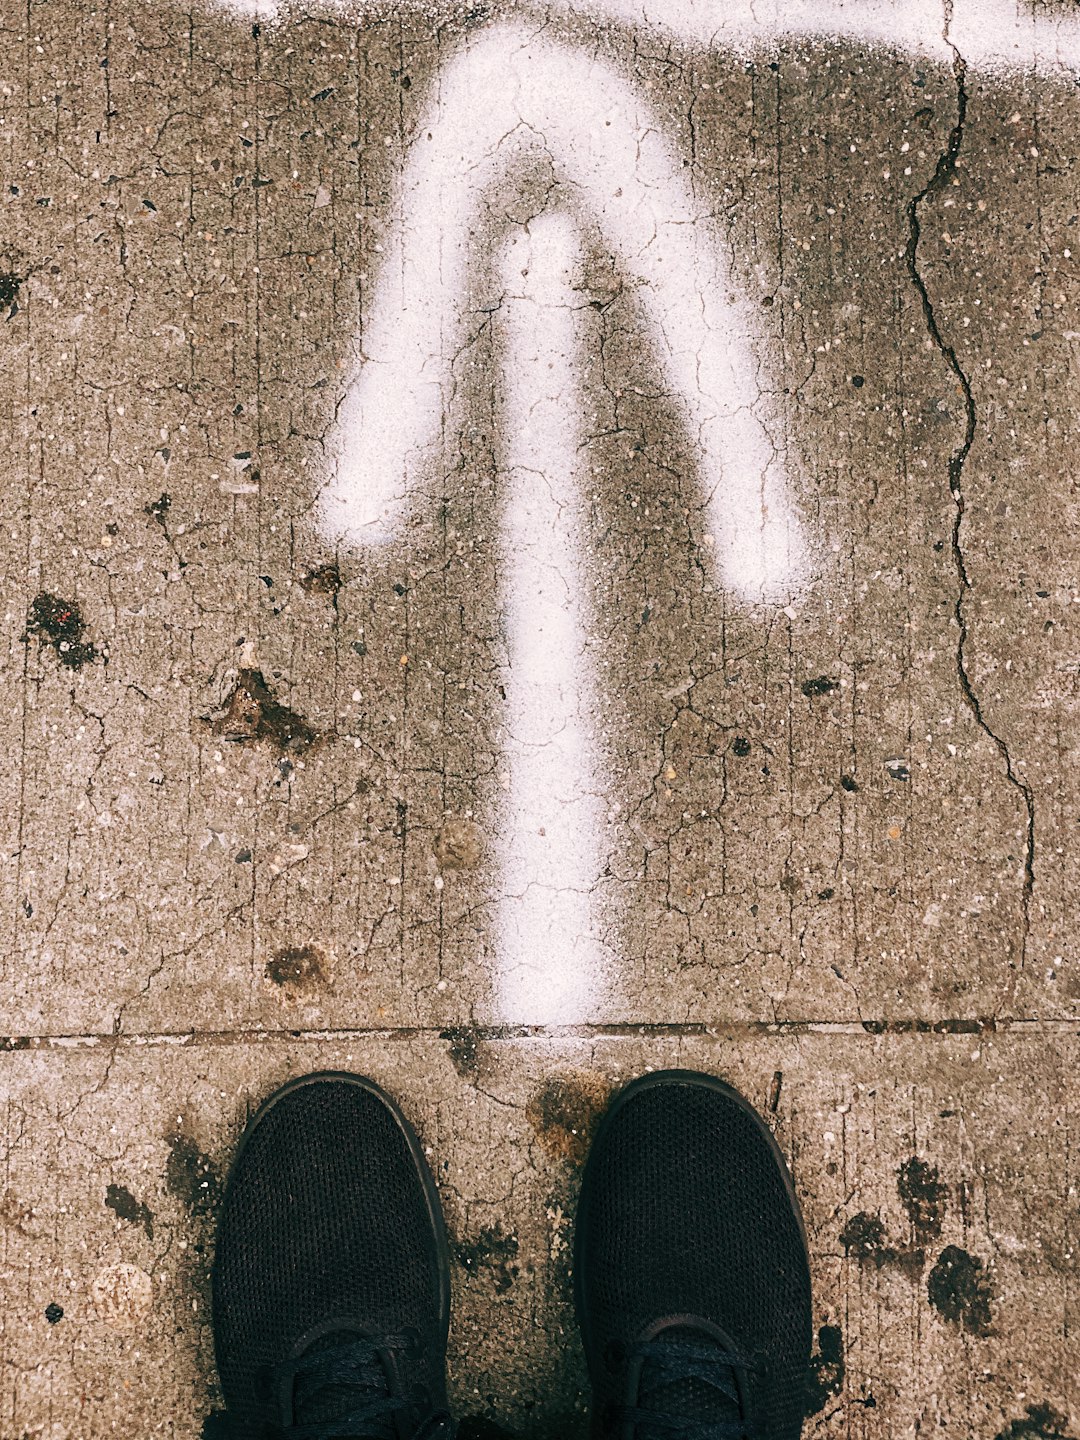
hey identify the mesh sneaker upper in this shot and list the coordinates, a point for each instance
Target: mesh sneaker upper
(686, 1211)
(329, 1230)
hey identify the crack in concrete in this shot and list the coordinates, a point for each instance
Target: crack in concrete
(733, 1030)
(944, 174)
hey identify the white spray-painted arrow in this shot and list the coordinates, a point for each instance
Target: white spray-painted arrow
(509, 96)
(500, 103)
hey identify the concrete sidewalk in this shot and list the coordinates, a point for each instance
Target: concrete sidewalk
(598, 598)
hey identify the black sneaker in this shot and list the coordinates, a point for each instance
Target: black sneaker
(331, 1293)
(691, 1271)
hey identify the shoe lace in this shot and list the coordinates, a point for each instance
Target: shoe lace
(672, 1370)
(344, 1391)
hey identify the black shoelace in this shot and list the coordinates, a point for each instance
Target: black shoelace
(674, 1370)
(344, 1392)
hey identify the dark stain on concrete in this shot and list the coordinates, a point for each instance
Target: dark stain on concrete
(864, 1238)
(924, 1197)
(322, 580)
(564, 1112)
(1042, 1422)
(492, 1250)
(459, 845)
(59, 623)
(9, 287)
(158, 509)
(959, 1290)
(123, 1204)
(820, 685)
(299, 969)
(191, 1175)
(54, 1313)
(16, 1214)
(826, 1377)
(216, 1426)
(464, 1050)
(253, 713)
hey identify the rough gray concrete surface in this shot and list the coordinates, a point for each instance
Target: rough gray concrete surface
(252, 776)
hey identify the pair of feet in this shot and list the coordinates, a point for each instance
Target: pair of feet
(332, 1277)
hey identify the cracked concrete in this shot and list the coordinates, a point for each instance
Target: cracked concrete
(251, 811)
(945, 174)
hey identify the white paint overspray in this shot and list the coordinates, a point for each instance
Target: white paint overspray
(553, 968)
(991, 35)
(614, 166)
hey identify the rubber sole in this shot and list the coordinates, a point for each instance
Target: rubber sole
(423, 1170)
